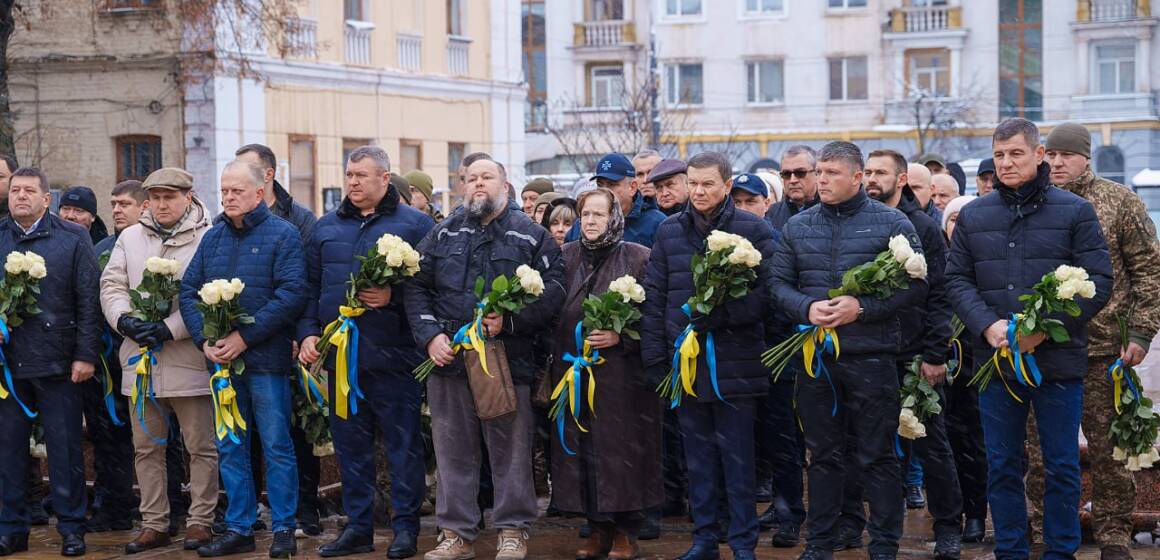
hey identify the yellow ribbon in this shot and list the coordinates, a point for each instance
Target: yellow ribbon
(1005, 352)
(468, 338)
(568, 383)
(341, 340)
(1118, 385)
(813, 341)
(227, 415)
(689, 350)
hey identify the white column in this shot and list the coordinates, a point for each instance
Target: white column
(956, 70)
(899, 73)
(1143, 63)
(1083, 69)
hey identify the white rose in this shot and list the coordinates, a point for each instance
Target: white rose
(636, 293)
(719, 240)
(226, 289)
(1066, 290)
(1118, 454)
(38, 271)
(1154, 454)
(172, 267)
(411, 258)
(395, 257)
(1087, 289)
(737, 256)
(1063, 273)
(237, 285)
(33, 258)
(387, 243)
(530, 281)
(412, 270)
(915, 266)
(900, 248)
(210, 294)
(1133, 463)
(1145, 461)
(15, 263)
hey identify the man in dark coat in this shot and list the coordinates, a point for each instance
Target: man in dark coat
(818, 246)
(671, 184)
(265, 252)
(717, 426)
(49, 355)
(641, 216)
(1004, 243)
(79, 206)
(799, 177)
(486, 238)
(387, 354)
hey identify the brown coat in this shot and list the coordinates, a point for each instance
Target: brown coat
(625, 434)
(180, 369)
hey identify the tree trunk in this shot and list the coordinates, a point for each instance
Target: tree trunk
(7, 125)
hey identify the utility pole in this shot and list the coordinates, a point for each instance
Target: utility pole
(653, 80)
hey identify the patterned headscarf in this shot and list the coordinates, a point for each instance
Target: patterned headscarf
(614, 233)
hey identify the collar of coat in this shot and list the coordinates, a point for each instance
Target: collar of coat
(283, 202)
(386, 206)
(849, 206)
(1026, 197)
(723, 215)
(195, 218)
(908, 202)
(43, 227)
(1080, 185)
(251, 220)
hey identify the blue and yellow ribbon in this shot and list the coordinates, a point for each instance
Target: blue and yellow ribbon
(227, 415)
(310, 387)
(145, 359)
(345, 339)
(996, 359)
(9, 387)
(687, 348)
(957, 357)
(1120, 375)
(1026, 369)
(108, 390)
(470, 337)
(821, 341)
(567, 391)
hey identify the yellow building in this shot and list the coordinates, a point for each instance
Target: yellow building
(108, 90)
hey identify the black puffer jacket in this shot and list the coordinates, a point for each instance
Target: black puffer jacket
(68, 327)
(739, 330)
(1003, 245)
(820, 244)
(441, 298)
(931, 340)
(298, 215)
(780, 213)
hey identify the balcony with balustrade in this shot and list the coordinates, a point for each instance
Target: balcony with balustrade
(606, 34)
(458, 50)
(925, 19)
(410, 52)
(1097, 11)
(301, 38)
(358, 35)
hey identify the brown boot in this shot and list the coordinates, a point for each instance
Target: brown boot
(197, 536)
(147, 539)
(598, 544)
(624, 547)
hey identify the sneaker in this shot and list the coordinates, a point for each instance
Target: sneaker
(512, 545)
(1115, 552)
(284, 545)
(948, 545)
(451, 547)
(915, 499)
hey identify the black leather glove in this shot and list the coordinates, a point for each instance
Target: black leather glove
(154, 334)
(131, 327)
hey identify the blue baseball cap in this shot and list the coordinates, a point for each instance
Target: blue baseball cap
(751, 183)
(614, 167)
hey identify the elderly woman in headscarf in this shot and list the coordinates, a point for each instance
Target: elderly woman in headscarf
(608, 480)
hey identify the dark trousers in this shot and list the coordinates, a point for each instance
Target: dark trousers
(112, 447)
(393, 405)
(866, 388)
(309, 472)
(718, 441)
(944, 498)
(676, 477)
(965, 432)
(175, 473)
(779, 449)
(59, 403)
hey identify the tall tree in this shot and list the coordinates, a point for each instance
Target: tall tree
(7, 128)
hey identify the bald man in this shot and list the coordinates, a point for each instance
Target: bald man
(944, 189)
(919, 179)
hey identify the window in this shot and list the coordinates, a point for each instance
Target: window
(1115, 68)
(684, 84)
(455, 153)
(137, 157)
(848, 79)
(349, 145)
(607, 86)
(1110, 164)
(355, 10)
(535, 65)
(331, 198)
(766, 82)
(847, 4)
(455, 18)
(930, 72)
(1021, 59)
(131, 5)
(764, 7)
(606, 10)
(410, 156)
(682, 7)
(302, 173)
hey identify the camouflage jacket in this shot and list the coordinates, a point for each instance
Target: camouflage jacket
(1135, 253)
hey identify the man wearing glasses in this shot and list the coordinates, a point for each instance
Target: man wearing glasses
(799, 177)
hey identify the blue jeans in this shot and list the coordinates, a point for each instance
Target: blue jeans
(1058, 407)
(264, 400)
(914, 472)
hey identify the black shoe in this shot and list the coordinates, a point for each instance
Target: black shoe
(765, 491)
(883, 556)
(675, 508)
(101, 522)
(307, 530)
(744, 555)
(815, 553)
(258, 525)
(702, 552)
(37, 516)
(284, 545)
(914, 497)
(73, 545)
(650, 529)
(786, 536)
(848, 538)
(11, 544)
(405, 545)
(948, 546)
(349, 542)
(585, 531)
(768, 518)
(229, 543)
(974, 530)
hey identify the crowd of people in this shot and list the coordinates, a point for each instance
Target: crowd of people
(740, 438)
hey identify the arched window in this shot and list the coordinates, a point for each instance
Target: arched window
(1110, 163)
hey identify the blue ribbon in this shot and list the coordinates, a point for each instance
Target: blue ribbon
(579, 362)
(820, 352)
(8, 372)
(147, 391)
(1119, 363)
(1019, 357)
(106, 379)
(217, 386)
(352, 363)
(710, 358)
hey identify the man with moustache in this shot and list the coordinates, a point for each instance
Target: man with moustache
(671, 181)
(488, 237)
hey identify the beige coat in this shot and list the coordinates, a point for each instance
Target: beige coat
(181, 367)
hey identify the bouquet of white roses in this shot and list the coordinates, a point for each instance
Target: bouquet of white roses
(151, 301)
(221, 313)
(616, 310)
(391, 261)
(1056, 292)
(890, 270)
(1133, 429)
(726, 270)
(508, 296)
(919, 402)
(19, 290)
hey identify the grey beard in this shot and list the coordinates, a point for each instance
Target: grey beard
(479, 209)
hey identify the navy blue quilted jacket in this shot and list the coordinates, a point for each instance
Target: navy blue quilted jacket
(340, 236)
(68, 327)
(266, 254)
(932, 338)
(820, 244)
(1003, 245)
(640, 225)
(738, 324)
(780, 213)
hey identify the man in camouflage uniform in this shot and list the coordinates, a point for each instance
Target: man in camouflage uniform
(1135, 253)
